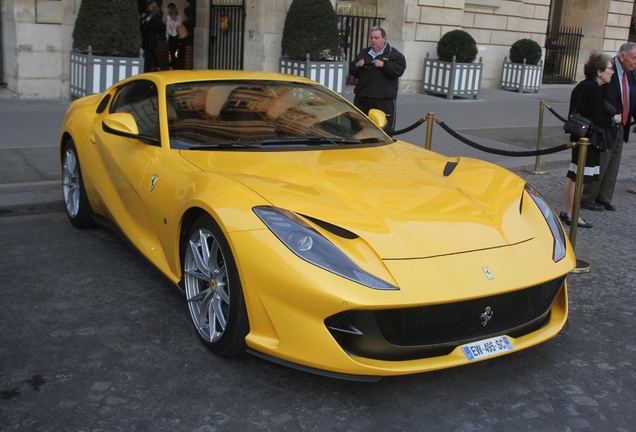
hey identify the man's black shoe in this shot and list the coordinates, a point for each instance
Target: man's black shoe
(607, 206)
(593, 207)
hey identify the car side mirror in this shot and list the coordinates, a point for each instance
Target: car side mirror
(122, 124)
(378, 117)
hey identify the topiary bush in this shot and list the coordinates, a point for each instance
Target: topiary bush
(111, 27)
(526, 49)
(457, 43)
(311, 26)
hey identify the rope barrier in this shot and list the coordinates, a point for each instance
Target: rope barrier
(473, 144)
(538, 152)
(409, 128)
(556, 114)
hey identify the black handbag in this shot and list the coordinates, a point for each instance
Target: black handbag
(577, 125)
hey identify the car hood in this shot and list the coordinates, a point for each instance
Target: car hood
(405, 202)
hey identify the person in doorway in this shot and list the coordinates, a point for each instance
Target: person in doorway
(587, 100)
(150, 27)
(378, 68)
(173, 21)
(621, 93)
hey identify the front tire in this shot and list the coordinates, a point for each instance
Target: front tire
(213, 289)
(76, 202)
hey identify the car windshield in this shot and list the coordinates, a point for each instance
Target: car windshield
(257, 114)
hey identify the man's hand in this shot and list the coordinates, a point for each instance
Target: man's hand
(360, 63)
(378, 63)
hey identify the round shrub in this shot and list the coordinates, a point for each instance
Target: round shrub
(110, 27)
(526, 49)
(311, 26)
(457, 43)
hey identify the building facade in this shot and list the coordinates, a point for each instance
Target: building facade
(36, 35)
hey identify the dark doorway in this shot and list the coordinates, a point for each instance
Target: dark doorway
(561, 48)
(561, 54)
(227, 26)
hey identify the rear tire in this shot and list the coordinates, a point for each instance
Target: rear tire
(213, 289)
(76, 202)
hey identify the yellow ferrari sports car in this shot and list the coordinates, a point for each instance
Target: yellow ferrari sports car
(302, 233)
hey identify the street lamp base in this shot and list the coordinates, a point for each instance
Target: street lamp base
(581, 267)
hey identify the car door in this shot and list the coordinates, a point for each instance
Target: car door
(124, 182)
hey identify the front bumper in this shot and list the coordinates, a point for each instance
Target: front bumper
(436, 330)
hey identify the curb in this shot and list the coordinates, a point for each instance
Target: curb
(29, 198)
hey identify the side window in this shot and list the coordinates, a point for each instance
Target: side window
(103, 104)
(139, 99)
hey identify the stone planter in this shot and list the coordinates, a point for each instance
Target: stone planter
(91, 74)
(331, 74)
(521, 77)
(452, 79)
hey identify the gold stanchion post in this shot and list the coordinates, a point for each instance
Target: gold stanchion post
(581, 266)
(537, 163)
(430, 117)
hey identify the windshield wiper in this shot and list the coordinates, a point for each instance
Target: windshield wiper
(306, 141)
(223, 145)
(311, 141)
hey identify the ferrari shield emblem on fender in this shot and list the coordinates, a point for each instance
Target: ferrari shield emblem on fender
(153, 182)
(488, 273)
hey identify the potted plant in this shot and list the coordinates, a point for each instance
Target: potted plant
(106, 45)
(524, 71)
(454, 73)
(311, 43)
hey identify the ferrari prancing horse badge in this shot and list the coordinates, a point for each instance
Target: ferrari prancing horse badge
(153, 182)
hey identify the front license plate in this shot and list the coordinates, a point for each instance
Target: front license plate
(487, 347)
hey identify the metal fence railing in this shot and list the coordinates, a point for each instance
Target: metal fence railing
(561, 54)
(226, 34)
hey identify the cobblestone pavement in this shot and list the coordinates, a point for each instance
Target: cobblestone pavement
(94, 339)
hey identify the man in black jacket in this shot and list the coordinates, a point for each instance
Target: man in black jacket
(378, 68)
(598, 195)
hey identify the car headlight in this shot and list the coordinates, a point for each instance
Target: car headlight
(558, 234)
(310, 245)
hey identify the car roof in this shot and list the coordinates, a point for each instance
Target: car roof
(180, 76)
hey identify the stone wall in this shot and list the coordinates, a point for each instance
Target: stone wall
(36, 41)
(605, 25)
(494, 24)
(37, 34)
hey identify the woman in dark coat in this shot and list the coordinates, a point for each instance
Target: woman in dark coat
(151, 26)
(587, 100)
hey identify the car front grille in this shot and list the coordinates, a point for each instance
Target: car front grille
(429, 331)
